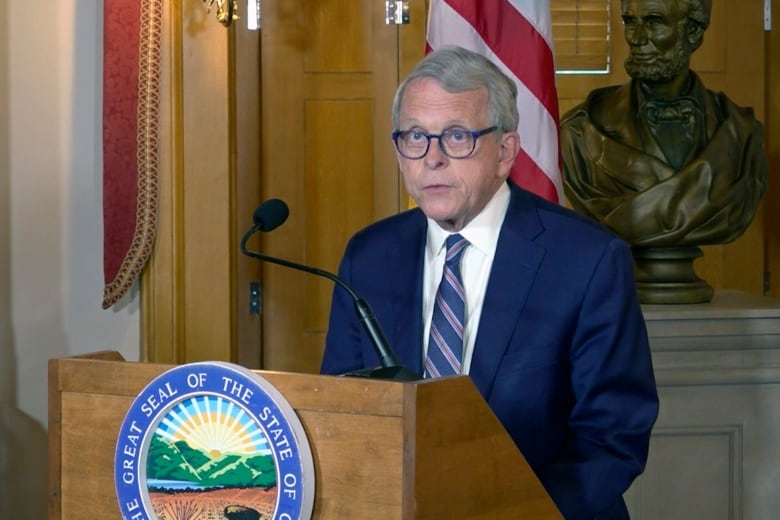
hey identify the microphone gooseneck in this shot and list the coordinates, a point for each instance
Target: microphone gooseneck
(273, 213)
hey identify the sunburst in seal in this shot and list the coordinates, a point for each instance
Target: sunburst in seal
(213, 425)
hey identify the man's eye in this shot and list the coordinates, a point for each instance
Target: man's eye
(415, 136)
(456, 135)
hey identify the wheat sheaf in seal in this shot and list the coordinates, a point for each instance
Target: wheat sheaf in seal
(212, 440)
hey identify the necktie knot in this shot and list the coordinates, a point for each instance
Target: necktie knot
(456, 244)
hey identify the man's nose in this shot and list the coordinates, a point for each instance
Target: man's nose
(435, 157)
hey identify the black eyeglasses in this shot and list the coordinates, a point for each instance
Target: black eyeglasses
(455, 143)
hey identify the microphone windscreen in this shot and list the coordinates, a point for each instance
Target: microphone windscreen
(270, 214)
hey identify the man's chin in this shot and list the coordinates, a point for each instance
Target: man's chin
(437, 214)
(444, 216)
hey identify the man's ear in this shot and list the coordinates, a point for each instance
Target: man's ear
(509, 147)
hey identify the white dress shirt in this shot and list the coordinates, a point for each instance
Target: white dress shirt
(482, 234)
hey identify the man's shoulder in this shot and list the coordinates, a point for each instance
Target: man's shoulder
(396, 223)
(401, 226)
(561, 220)
(563, 225)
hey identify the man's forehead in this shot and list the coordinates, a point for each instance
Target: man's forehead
(431, 91)
(429, 105)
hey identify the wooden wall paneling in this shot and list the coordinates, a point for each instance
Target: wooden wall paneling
(336, 184)
(206, 190)
(161, 284)
(192, 285)
(283, 39)
(731, 60)
(245, 188)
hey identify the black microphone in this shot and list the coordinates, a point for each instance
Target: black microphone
(270, 215)
(273, 213)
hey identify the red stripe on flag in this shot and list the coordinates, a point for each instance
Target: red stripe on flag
(513, 38)
(527, 174)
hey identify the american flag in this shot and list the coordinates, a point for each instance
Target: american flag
(516, 35)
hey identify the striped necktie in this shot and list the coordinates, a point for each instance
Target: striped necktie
(445, 345)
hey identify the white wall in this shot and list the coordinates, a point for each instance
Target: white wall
(51, 276)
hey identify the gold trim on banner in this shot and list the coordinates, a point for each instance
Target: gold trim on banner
(147, 153)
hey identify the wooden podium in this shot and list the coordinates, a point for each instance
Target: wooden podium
(382, 449)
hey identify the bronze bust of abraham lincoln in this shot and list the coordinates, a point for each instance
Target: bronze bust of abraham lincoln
(664, 162)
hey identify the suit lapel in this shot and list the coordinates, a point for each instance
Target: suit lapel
(514, 269)
(405, 268)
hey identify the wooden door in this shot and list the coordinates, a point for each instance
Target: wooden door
(329, 72)
(731, 60)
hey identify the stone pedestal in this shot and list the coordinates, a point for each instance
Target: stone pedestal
(715, 449)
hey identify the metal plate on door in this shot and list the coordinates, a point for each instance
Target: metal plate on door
(397, 12)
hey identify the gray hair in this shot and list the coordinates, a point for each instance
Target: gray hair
(457, 69)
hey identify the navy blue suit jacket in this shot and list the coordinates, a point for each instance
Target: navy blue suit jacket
(561, 354)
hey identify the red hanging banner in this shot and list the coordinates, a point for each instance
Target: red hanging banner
(131, 73)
